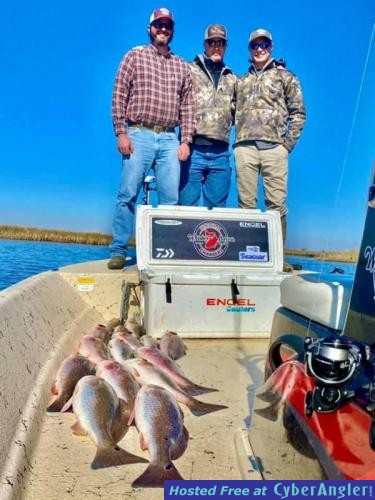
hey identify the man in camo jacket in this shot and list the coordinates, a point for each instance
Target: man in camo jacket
(270, 115)
(208, 170)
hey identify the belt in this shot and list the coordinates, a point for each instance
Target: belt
(155, 128)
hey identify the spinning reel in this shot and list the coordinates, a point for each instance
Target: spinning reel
(332, 362)
(343, 370)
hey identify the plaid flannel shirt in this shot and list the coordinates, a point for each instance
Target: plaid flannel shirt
(153, 89)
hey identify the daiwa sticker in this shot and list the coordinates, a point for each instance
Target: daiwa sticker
(210, 239)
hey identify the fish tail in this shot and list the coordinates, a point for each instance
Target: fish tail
(56, 406)
(195, 390)
(67, 406)
(155, 475)
(114, 455)
(199, 408)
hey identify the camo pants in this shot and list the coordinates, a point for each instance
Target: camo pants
(272, 164)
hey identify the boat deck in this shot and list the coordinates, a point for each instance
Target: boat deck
(45, 316)
(217, 447)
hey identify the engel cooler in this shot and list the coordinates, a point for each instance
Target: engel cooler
(209, 273)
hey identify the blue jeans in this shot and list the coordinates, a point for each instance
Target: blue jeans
(151, 150)
(207, 171)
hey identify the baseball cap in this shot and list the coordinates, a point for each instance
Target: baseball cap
(258, 33)
(161, 13)
(215, 31)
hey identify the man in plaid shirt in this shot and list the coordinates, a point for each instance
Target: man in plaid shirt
(152, 95)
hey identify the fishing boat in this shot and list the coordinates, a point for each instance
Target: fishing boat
(223, 313)
(235, 307)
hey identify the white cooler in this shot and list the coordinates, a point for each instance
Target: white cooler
(209, 273)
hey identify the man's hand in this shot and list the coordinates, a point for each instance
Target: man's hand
(183, 152)
(124, 144)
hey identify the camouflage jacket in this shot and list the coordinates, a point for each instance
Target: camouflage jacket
(213, 107)
(269, 106)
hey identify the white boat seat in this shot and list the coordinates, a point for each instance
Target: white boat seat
(323, 298)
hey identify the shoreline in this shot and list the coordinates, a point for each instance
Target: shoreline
(347, 256)
(94, 238)
(53, 235)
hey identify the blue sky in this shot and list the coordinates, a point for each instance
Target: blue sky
(59, 165)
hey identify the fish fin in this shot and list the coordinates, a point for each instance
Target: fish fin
(131, 420)
(136, 373)
(120, 422)
(142, 442)
(114, 455)
(78, 430)
(199, 408)
(67, 405)
(195, 390)
(124, 408)
(271, 412)
(54, 390)
(55, 406)
(179, 450)
(155, 475)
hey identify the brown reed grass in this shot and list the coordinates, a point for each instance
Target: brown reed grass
(37, 234)
(349, 256)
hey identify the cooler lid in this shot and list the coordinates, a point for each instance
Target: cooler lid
(174, 238)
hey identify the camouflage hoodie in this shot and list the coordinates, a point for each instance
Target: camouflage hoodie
(269, 106)
(214, 107)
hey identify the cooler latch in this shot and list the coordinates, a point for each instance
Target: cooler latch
(234, 291)
(168, 291)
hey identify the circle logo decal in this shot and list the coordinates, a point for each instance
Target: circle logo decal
(210, 239)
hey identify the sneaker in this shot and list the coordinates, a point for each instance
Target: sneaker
(287, 268)
(116, 262)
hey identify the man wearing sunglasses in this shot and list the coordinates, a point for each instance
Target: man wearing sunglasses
(270, 115)
(208, 170)
(153, 94)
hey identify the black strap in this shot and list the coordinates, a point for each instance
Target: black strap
(168, 291)
(234, 290)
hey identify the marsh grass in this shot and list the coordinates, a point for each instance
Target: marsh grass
(350, 256)
(35, 234)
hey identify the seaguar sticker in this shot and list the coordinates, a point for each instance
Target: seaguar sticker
(253, 254)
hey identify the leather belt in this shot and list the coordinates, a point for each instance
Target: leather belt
(155, 128)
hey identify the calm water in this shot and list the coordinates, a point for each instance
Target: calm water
(322, 267)
(22, 259)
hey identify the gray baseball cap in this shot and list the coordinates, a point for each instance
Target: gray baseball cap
(258, 33)
(215, 31)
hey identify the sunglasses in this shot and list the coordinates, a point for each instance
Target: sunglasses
(216, 43)
(261, 45)
(159, 25)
